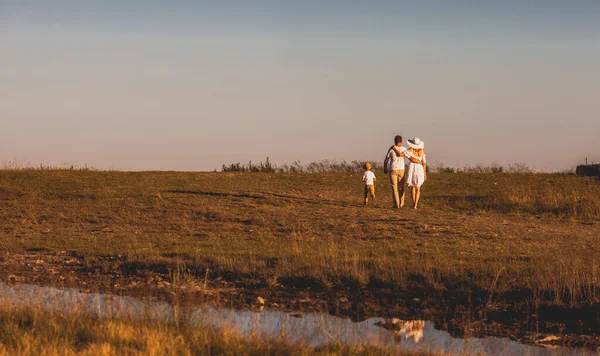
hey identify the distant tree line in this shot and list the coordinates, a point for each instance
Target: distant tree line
(265, 167)
(493, 168)
(324, 166)
(356, 166)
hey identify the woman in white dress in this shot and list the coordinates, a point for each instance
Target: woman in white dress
(417, 168)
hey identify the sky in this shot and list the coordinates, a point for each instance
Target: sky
(191, 85)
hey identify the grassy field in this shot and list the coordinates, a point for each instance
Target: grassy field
(499, 240)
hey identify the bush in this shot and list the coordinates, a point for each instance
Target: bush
(266, 167)
(324, 166)
(480, 168)
(519, 168)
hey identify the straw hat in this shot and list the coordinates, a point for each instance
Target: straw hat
(416, 143)
(368, 166)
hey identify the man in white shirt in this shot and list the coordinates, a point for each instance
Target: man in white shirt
(395, 163)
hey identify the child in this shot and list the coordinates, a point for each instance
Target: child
(369, 179)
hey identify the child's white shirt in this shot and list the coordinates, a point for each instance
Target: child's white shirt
(369, 178)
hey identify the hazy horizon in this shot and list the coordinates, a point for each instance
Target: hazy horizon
(193, 85)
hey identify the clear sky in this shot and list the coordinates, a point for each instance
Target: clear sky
(189, 85)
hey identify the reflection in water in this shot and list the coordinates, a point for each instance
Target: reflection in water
(311, 329)
(404, 329)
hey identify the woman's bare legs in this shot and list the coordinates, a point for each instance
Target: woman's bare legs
(416, 195)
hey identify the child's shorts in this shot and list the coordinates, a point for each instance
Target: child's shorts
(369, 189)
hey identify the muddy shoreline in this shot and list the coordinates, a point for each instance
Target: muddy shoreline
(462, 312)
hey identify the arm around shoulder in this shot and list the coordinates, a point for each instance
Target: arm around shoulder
(398, 152)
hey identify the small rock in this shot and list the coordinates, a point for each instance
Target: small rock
(344, 300)
(12, 278)
(298, 316)
(260, 301)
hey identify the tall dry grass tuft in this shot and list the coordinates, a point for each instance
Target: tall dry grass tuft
(566, 281)
(580, 202)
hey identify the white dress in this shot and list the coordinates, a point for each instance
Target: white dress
(416, 173)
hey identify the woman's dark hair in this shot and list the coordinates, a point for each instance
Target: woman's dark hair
(398, 139)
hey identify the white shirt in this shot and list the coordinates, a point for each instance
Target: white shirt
(396, 162)
(369, 178)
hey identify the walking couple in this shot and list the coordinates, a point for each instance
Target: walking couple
(414, 173)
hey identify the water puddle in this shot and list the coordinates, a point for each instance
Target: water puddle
(312, 329)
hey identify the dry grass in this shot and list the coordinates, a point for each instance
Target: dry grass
(577, 199)
(35, 332)
(531, 237)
